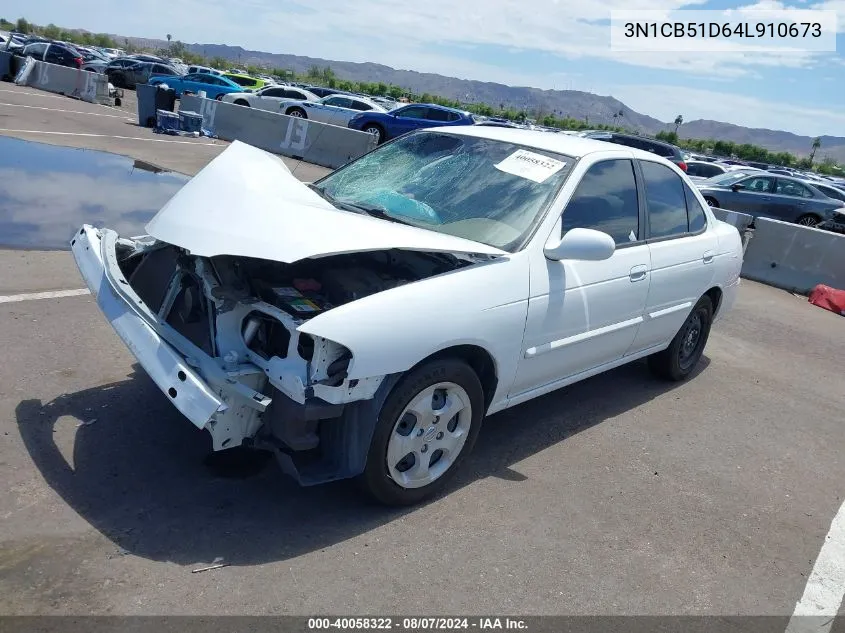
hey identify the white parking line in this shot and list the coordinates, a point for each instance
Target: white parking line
(825, 588)
(52, 294)
(125, 138)
(46, 95)
(111, 116)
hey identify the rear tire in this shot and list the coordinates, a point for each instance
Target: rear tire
(297, 113)
(241, 102)
(808, 220)
(415, 450)
(678, 361)
(711, 201)
(219, 97)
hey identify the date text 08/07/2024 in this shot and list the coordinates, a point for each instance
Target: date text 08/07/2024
(416, 624)
(750, 30)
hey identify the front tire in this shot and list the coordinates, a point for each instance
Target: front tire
(808, 220)
(241, 102)
(711, 201)
(427, 426)
(678, 361)
(375, 130)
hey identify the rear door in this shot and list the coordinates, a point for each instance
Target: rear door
(355, 107)
(269, 99)
(682, 254)
(60, 55)
(790, 200)
(327, 110)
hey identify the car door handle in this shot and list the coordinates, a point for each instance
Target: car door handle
(638, 273)
(707, 258)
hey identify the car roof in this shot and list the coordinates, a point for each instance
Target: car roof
(575, 146)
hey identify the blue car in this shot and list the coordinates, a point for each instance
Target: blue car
(389, 125)
(213, 86)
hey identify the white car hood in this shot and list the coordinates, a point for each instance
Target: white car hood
(247, 203)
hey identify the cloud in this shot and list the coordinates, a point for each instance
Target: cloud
(376, 30)
(665, 102)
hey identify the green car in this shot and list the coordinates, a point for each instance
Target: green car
(247, 82)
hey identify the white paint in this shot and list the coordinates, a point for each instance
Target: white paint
(51, 294)
(825, 587)
(110, 116)
(124, 138)
(246, 203)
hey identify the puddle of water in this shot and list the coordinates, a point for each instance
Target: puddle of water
(48, 192)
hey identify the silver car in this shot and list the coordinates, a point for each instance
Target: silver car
(335, 109)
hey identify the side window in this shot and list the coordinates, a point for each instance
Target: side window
(667, 206)
(273, 92)
(709, 171)
(606, 200)
(758, 184)
(453, 116)
(697, 220)
(435, 114)
(295, 94)
(792, 188)
(361, 106)
(56, 53)
(413, 112)
(694, 169)
(339, 102)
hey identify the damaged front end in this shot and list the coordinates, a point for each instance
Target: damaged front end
(219, 335)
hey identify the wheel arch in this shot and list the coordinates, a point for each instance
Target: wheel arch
(480, 361)
(715, 293)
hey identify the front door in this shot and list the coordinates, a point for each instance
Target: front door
(410, 118)
(585, 314)
(683, 253)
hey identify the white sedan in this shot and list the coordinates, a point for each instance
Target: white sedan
(364, 325)
(335, 109)
(273, 98)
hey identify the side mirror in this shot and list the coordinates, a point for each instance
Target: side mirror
(581, 244)
(736, 187)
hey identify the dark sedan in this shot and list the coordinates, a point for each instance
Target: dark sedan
(770, 196)
(128, 75)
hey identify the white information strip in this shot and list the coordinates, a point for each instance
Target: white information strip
(725, 31)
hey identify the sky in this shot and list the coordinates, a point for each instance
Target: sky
(558, 44)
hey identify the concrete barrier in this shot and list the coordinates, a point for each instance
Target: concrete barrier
(6, 73)
(326, 145)
(793, 257)
(81, 84)
(740, 220)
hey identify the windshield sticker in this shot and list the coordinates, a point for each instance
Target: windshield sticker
(530, 165)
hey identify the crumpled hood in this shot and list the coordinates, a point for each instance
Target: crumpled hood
(247, 203)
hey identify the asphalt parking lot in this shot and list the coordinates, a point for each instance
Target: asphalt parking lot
(619, 495)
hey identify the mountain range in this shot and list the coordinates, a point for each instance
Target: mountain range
(581, 105)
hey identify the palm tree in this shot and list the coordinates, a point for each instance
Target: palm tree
(817, 143)
(678, 122)
(169, 37)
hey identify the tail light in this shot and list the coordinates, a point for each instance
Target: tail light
(79, 61)
(682, 165)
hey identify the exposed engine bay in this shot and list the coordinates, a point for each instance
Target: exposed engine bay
(243, 314)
